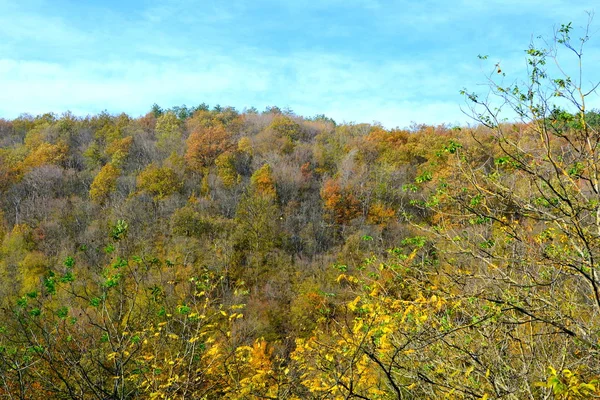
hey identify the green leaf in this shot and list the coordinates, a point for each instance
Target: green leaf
(62, 312)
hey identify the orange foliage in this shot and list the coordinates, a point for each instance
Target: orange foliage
(342, 206)
(380, 214)
(205, 144)
(386, 139)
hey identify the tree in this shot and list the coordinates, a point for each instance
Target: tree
(126, 333)
(156, 110)
(168, 133)
(118, 150)
(400, 336)
(341, 205)
(263, 183)
(205, 144)
(520, 223)
(257, 218)
(160, 182)
(104, 183)
(45, 153)
(226, 170)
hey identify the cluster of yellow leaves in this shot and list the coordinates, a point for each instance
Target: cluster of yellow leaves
(286, 127)
(33, 265)
(44, 154)
(168, 132)
(245, 145)
(263, 182)
(118, 150)
(226, 169)
(160, 182)
(390, 342)
(104, 183)
(569, 385)
(256, 374)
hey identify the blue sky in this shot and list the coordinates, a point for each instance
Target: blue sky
(394, 62)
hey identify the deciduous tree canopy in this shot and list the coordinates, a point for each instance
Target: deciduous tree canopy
(199, 253)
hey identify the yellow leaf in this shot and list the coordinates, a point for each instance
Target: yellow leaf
(468, 371)
(567, 373)
(352, 304)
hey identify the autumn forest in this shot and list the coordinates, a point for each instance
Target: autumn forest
(209, 253)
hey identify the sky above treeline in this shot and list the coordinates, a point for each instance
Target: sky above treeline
(392, 62)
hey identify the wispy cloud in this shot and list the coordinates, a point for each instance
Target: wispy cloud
(358, 60)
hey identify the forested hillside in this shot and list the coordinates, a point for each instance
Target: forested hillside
(210, 253)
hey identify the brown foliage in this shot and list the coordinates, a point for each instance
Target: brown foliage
(342, 205)
(205, 144)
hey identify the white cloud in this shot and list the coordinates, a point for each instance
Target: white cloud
(178, 52)
(310, 81)
(24, 26)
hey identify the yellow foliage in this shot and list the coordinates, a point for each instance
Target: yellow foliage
(262, 181)
(286, 127)
(160, 182)
(168, 132)
(245, 145)
(32, 268)
(226, 169)
(104, 183)
(118, 150)
(34, 138)
(570, 385)
(45, 153)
